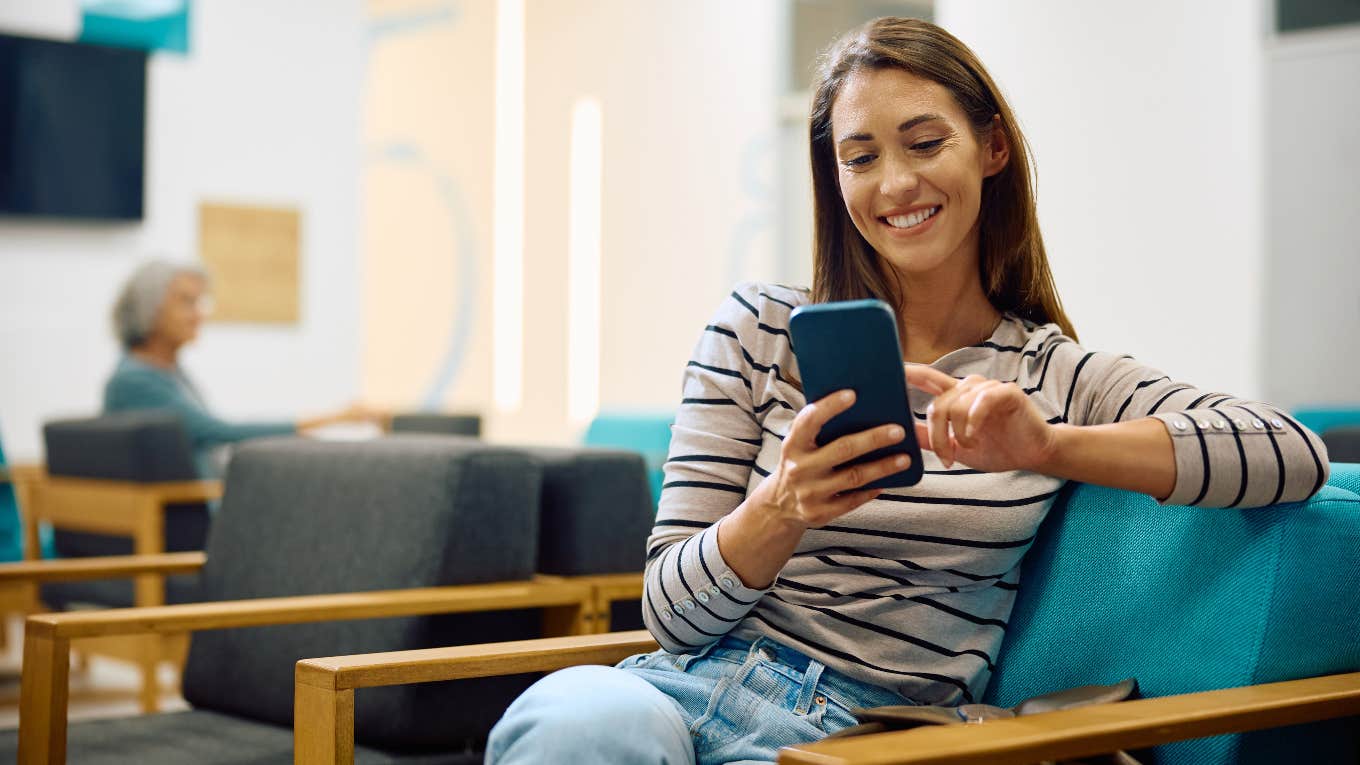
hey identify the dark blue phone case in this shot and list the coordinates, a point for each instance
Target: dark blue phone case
(853, 344)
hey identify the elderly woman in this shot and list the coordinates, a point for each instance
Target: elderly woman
(158, 312)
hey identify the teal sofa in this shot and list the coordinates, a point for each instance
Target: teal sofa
(1188, 599)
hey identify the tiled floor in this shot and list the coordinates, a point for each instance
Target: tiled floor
(104, 689)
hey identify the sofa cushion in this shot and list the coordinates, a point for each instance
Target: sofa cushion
(202, 738)
(303, 517)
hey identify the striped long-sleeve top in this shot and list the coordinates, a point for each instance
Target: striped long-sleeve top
(912, 591)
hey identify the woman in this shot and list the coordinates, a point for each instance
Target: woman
(158, 312)
(782, 594)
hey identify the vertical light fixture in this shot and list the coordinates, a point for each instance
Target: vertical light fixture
(585, 174)
(508, 210)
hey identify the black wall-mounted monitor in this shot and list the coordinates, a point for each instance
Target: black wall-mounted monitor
(72, 129)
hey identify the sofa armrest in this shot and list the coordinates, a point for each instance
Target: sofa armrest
(106, 567)
(1097, 729)
(323, 699)
(47, 637)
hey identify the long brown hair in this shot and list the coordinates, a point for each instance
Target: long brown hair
(1011, 261)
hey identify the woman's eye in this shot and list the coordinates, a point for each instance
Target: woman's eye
(859, 161)
(927, 145)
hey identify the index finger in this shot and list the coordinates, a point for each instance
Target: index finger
(929, 379)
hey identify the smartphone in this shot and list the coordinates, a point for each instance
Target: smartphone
(853, 344)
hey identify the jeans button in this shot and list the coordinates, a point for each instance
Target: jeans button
(820, 699)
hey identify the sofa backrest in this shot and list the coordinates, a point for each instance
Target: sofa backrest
(1190, 599)
(432, 422)
(596, 511)
(303, 517)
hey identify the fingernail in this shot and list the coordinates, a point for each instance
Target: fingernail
(896, 433)
(901, 460)
(847, 396)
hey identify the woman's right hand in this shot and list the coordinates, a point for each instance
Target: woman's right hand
(807, 489)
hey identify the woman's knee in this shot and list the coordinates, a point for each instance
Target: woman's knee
(595, 711)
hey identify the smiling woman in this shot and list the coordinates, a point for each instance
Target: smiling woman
(782, 592)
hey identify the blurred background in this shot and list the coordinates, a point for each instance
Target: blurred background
(528, 209)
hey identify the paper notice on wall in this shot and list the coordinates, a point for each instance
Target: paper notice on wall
(251, 253)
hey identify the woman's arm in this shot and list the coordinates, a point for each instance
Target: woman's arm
(1132, 428)
(148, 390)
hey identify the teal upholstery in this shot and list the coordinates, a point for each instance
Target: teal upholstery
(1320, 419)
(1187, 600)
(11, 536)
(648, 433)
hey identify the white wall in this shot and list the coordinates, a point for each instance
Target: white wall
(265, 109)
(688, 92)
(1313, 190)
(1146, 125)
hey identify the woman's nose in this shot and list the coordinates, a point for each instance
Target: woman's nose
(899, 178)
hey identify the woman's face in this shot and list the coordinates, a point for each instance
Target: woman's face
(911, 169)
(182, 311)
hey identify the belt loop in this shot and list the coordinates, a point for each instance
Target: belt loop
(811, 677)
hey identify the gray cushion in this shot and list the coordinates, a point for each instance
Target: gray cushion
(302, 517)
(1343, 444)
(201, 738)
(447, 424)
(141, 446)
(116, 593)
(597, 511)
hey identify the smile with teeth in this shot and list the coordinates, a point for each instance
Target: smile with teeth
(912, 220)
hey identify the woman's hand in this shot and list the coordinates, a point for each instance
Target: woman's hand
(806, 489)
(985, 424)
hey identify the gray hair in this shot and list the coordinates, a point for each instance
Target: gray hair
(134, 313)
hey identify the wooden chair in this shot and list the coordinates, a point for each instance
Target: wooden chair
(113, 485)
(1263, 638)
(430, 527)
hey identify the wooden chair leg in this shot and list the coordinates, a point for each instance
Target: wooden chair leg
(149, 695)
(323, 726)
(43, 696)
(575, 619)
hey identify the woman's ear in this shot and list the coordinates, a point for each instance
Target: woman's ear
(997, 152)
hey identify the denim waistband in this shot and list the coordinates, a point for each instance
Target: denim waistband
(849, 690)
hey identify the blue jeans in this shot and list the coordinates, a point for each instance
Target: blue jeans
(733, 702)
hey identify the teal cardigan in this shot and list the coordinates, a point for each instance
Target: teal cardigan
(137, 385)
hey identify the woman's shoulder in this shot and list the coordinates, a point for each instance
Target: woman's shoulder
(761, 299)
(759, 307)
(134, 383)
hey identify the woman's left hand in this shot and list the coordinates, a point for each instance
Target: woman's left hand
(985, 424)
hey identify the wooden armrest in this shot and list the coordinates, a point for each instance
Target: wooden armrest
(189, 617)
(323, 699)
(164, 492)
(1098, 729)
(47, 637)
(429, 665)
(106, 567)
